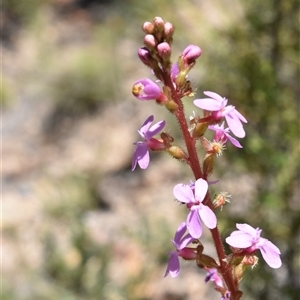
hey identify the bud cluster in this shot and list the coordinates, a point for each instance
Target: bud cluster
(170, 86)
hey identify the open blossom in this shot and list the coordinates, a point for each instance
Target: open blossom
(146, 89)
(180, 242)
(141, 153)
(193, 199)
(222, 134)
(249, 238)
(217, 105)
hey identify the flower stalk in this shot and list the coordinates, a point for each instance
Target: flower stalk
(228, 269)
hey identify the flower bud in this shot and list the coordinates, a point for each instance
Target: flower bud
(190, 54)
(239, 271)
(208, 164)
(199, 129)
(149, 41)
(148, 27)
(145, 56)
(159, 23)
(169, 30)
(164, 51)
(177, 152)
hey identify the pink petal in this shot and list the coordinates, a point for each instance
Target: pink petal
(183, 193)
(208, 217)
(193, 224)
(234, 142)
(173, 265)
(214, 96)
(240, 116)
(201, 187)
(239, 239)
(142, 156)
(271, 257)
(180, 232)
(208, 104)
(235, 125)
(156, 128)
(246, 228)
(185, 241)
(145, 127)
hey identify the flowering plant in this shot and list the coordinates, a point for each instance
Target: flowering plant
(170, 87)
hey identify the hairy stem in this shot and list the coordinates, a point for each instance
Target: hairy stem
(194, 163)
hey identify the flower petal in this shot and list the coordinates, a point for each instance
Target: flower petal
(173, 267)
(180, 232)
(141, 156)
(208, 104)
(235, 125)
(156, 128)
(214, 96)
(145, 127)
(208, 216)
(183, 193)
(234, 142)
(270, 254)
(187, 239)
(247, 228)
(201, 187)
(239, 239)
(193, 224)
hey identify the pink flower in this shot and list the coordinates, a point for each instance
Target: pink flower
(180, 242)
(146, 89)
(217, 105)
(184, 193)
(141, 153)
(191, 53)
(249, 238)
(222, 134)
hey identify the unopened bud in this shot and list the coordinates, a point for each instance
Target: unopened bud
(159, 24)
(148, 27)
(169, 30)
(239, 271)
(190, 54)
(200, 129)
(164, 51)
(145, 56)
(177, 152)
(149, 41)
(208, 164)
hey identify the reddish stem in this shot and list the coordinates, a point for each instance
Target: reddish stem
(194, 163)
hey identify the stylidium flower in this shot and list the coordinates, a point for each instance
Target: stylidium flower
(249, 238)
(191, 53)
(193, 199)
(146, 89)
(217, 105)
(141, 153)
(180, 242)
(222, 134)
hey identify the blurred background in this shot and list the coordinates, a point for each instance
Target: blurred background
(76, 222)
